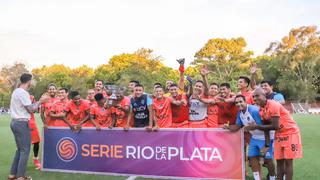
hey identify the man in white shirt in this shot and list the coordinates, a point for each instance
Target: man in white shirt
(21, 107)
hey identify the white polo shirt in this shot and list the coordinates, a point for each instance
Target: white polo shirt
(19, 99)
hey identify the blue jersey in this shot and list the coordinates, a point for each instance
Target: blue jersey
(140, 110)
(251, 115)
(276, 96)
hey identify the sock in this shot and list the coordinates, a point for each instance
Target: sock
(272, 177)
(256, 175)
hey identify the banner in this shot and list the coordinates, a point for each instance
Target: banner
(168, 153)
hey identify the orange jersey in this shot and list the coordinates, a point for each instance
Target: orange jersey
(227, 113)
(163, 114)
(248, 95)
(35, 137)
(180, 113)
(213, 112)
(120, 115)
(47, 105)
(275, 109)
(77, 113)
(92, 103)
(58, 108)
(102, 116)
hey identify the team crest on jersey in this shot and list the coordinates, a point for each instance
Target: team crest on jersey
(267, 154)
(142, 101)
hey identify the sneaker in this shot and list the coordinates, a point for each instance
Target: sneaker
(37, 163)
(181, 61)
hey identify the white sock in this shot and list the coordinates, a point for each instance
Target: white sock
(256, 175)
(272, 177)
(35, 157)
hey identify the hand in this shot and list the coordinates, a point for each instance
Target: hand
(156, 128)
(98, 128)
(44, 98)
(253, 68)
(45, 126)
(250, 127)
(77, 128)
(126, 128)
(149, 128)
(110, 127)
(204, 71)
(263, 151)
(226, 126)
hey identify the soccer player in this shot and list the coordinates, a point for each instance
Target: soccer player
(90, 97)
(21, 108)
(99, 88)
(99, 114)
(45, 107)
(161, 109)
(197, 108)
(78, 111)
(131, 86)
(59, 108)
(243, 87)
(227, 113)
(180, 110)
(287, 145)
(35, 137)
(121, 110)
(213, 93)
(141, 108)
(249, 114)
(267, 86)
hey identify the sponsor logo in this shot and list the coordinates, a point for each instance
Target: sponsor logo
(67, 149)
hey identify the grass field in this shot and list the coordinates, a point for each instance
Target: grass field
(307, 168)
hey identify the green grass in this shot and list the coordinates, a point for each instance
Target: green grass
(306, 168)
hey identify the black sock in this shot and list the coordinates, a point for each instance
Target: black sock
(36, 149)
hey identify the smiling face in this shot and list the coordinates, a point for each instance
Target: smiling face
(62, 94)
(224, 91)
(267, 88)
(98, 85)
(174, 91)
(52, 90)
(158, 92)
(242, 84)
(213, 90)
(241, 103)
(198, 88)
(259, 97)
(138, 91)
(90, 94)
(76, 100)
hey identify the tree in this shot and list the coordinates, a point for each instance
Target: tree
(225, 58)
(297, 60)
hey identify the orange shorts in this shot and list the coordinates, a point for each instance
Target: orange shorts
(183, 124)
(198, 124)
(287, 146)
(35, 137)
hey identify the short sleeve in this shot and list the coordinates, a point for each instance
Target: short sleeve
(278, 97)
(238, 121)
(274, 109)
(149, 101)
(24, 98)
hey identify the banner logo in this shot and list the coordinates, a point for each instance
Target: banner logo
(67, 149)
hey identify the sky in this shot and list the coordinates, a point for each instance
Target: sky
(77, 32)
